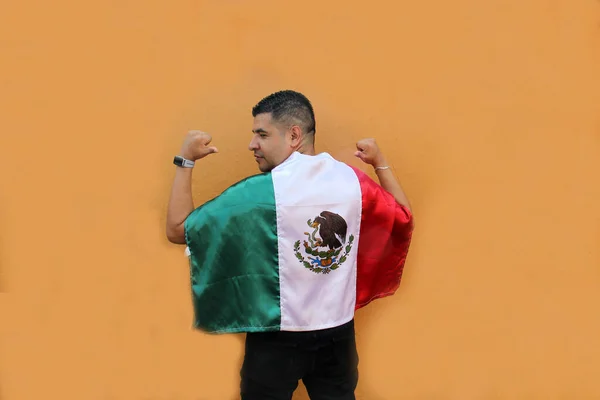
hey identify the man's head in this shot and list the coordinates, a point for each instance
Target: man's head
(284, 122)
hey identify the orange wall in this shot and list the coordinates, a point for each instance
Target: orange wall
(488, 110)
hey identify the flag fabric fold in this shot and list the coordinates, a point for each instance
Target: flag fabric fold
(298, 248)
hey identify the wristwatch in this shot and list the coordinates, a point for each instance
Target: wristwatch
(182, 162)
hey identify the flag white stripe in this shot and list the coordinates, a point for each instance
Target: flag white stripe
(304, 187)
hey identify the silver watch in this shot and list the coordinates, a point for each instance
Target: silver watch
(183, 162)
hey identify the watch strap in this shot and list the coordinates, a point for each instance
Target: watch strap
(183, 162)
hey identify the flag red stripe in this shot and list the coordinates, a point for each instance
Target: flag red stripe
(385, 235)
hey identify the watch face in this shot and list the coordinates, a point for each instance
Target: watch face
(178, 161)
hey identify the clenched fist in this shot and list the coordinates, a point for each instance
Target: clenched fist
(369, 152)
(195, 145)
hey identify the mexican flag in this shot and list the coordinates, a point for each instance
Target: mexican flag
(298, 248)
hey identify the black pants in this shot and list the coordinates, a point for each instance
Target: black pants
(325, 360)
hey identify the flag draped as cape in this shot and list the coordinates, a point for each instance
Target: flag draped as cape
(298, 248)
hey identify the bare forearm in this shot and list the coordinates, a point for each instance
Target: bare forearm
(181, 204)
(390, 183)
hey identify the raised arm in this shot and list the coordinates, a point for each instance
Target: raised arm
(369, 152)
(181, 204)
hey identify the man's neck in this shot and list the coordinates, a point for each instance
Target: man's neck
(306, 150)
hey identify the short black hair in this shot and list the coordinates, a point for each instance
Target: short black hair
(288, 106)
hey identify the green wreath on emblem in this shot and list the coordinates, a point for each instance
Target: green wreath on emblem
(321, 262)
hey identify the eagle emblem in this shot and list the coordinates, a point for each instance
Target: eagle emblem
(324, 251)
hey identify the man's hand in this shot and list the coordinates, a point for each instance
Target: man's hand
(195, 145)
(369, 152)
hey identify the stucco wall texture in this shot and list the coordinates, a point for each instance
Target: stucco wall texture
(488, 110)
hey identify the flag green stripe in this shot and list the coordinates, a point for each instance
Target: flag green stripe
(237, 279)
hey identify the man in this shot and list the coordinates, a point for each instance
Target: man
(289, 254)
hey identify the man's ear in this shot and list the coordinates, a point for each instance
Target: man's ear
(295, 134)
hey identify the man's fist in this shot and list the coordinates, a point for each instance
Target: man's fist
(195, 145)
(369, 152)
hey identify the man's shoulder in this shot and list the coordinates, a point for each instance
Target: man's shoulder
(252, 180)
(258, 187)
